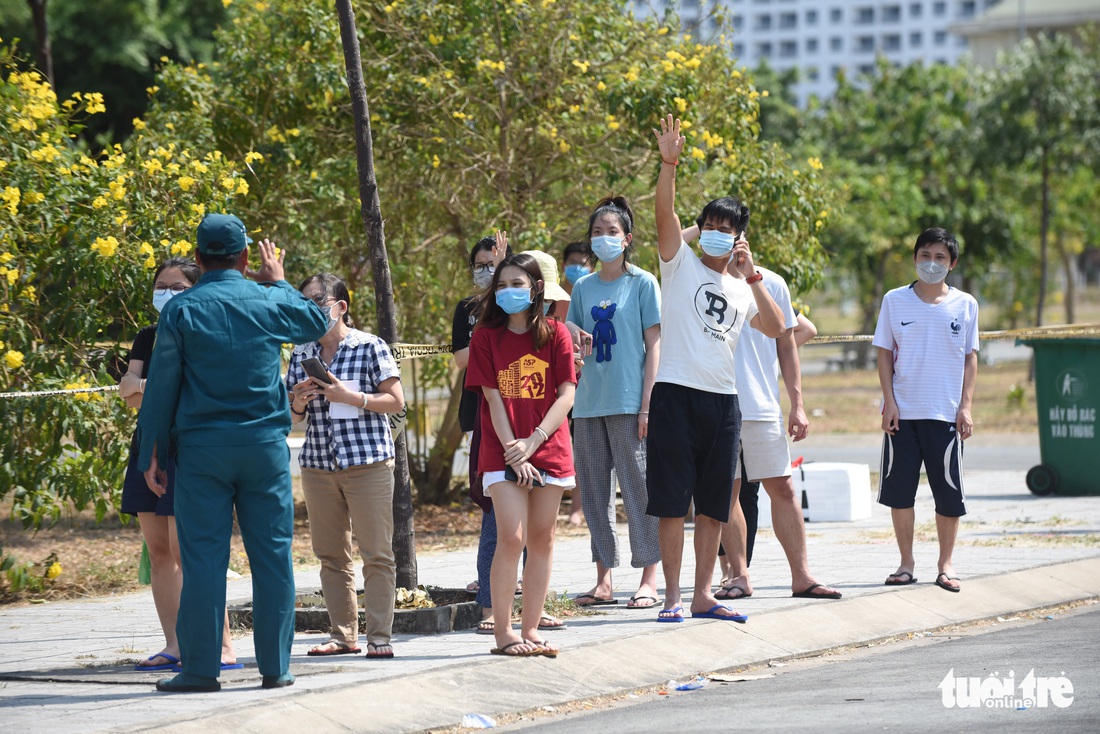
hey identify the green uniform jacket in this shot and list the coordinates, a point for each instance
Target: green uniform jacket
(214, 376)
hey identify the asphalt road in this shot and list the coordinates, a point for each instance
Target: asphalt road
(894, 687)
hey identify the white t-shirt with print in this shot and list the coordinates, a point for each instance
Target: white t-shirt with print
(758, 360)
(702, 315)
(930, 342)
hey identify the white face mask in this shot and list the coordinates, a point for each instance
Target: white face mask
(932, 272)
(483, 277)
(333, 321)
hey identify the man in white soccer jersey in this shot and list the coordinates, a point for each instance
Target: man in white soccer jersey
(927, 336)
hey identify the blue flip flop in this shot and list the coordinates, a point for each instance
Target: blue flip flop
(153, 668)
(678, 614)
(712, 613)
(225, 666)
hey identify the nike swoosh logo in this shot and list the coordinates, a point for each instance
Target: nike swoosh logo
(906, 323)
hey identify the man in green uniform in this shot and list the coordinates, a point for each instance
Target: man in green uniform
(215, 394)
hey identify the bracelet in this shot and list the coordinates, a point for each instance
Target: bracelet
(544, 434)
(300, 415)
(671, 163)
(364, 406)
(755, 278)
(141, 386)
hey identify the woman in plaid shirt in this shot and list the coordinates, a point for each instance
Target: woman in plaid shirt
(347, 468)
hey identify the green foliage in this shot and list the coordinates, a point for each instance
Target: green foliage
(79, 238)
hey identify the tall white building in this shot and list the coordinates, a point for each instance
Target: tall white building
(821, 37)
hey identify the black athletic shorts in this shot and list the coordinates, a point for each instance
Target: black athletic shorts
(691, 451)
(937, 445)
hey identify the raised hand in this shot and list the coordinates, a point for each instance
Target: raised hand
(669, 140)
(500, 249)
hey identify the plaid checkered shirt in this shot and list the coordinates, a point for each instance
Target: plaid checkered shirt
(363, 362)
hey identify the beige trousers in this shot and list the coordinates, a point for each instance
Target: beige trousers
(360, 497)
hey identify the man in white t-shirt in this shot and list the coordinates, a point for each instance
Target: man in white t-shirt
(694, 417)
(927, 336)
(764, 449)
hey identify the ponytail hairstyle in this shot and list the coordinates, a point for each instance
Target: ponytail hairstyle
(332, 289)
(726, 209)
(618, 207)
(494, 317)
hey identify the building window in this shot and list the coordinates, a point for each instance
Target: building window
(811, 17)
(739, 50)
(811, 45)
(915, 39)
(866, 69)
(864, 16)
(836, 43)
(967, 9)
(836, 15)
(788, 20)
(915, 10)
(738, 23)
(812, 73)
(689, 4)
(763, 23)
(788, 49)
(764, 50)
(891, 42)
(940, 38)
(939, 9)
(835, 71)
(891, 14)
(865, 44)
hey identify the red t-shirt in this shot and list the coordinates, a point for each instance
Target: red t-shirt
(528, 381)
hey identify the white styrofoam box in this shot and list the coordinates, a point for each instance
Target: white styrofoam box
(834, 491)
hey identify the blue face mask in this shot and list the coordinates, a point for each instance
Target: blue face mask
(715, 243)
(514, 300)
(161, 297)
(607, 248)
(576, 271)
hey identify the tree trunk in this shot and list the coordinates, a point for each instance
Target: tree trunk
(1044, 232)
(404, 545)
(1069, 268)
(43, 49)
(870, 313)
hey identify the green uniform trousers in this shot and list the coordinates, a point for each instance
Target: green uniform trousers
(210, 482)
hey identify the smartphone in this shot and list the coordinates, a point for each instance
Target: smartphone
(316, 369)
(511, 476)
(744, 230)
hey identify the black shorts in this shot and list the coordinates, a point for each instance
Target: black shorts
(691, 451)
(937, 445)
(136, 495)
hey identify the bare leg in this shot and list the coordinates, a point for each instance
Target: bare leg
(670, 536)
(947, 529)
(510, 503)
(790, 530)
(707, 532)
(904, 520)
(542, 517)
(647, 587)
(165, 576)
(736, 576)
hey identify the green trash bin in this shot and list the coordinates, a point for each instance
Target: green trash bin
(1067, 392)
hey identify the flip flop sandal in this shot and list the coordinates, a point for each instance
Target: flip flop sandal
(808, 593)
(341, 649)
(373, 654)
(676, 614)
(486, 627)
(942, 579)
(726, 592)
(633, 604)
(172, 663)
(504, 650)
(542, 649)
(712, 613)
(595, 601)
(897, 579)
(546, 622)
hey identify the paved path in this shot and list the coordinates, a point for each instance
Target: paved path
(1016, 551)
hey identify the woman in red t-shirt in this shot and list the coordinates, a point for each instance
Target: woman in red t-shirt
(523, 364)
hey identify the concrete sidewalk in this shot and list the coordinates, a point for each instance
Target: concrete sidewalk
(66, 666)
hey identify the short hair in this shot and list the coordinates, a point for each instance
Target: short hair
(485, 243)
(332, 288)
(726, 209)
(185, 265)
(576, 248)
(934, 235)
(219, 261)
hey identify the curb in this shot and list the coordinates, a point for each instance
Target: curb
(651, 657)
